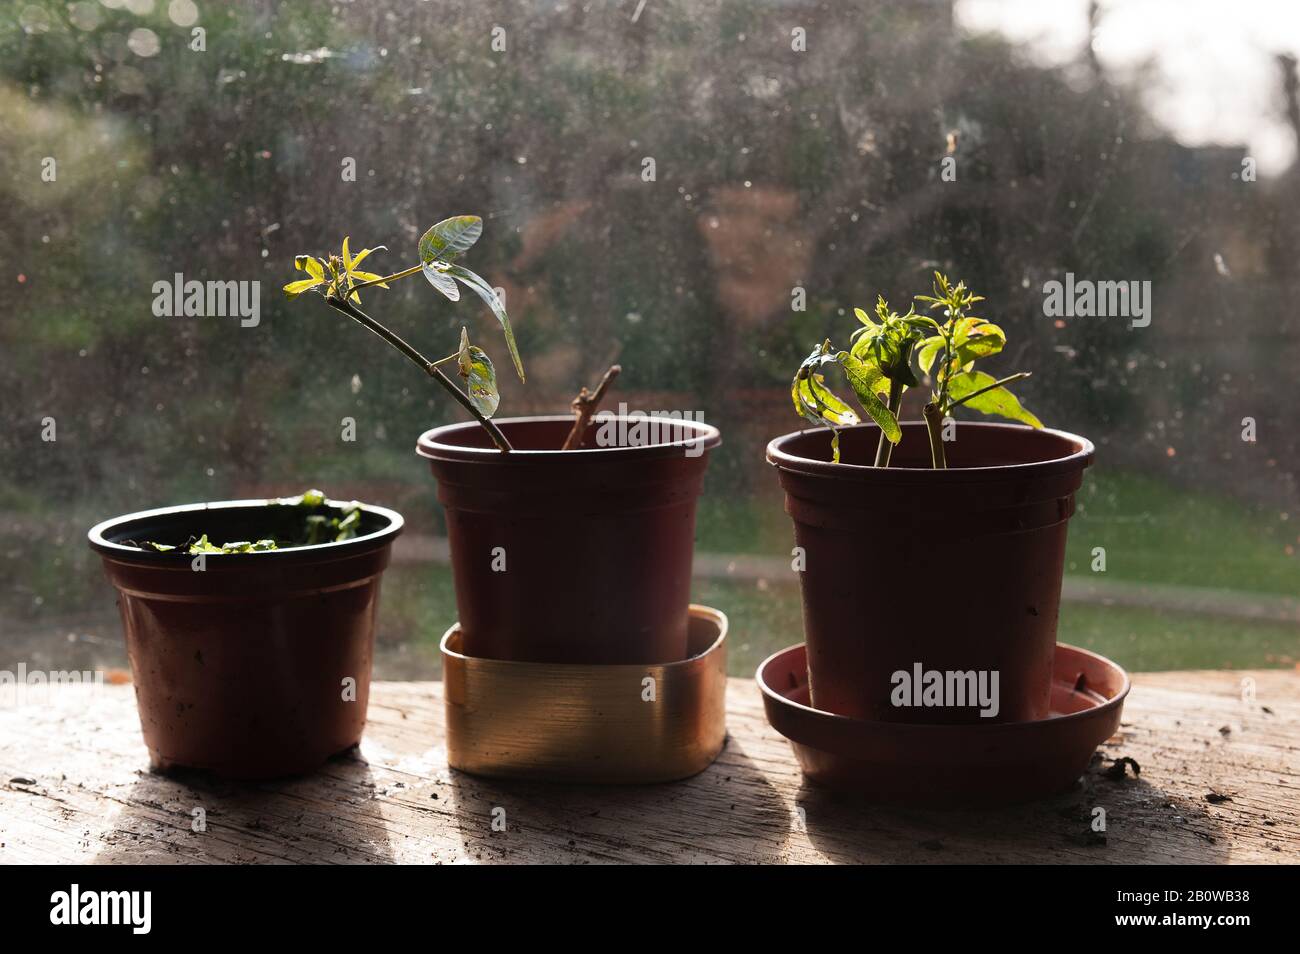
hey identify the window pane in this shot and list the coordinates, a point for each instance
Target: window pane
(700, 192)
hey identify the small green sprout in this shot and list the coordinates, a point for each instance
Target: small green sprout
(334, 526)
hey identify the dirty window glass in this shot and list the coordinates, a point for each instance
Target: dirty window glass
(698, 191)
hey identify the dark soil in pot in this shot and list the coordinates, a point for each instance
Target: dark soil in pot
(240, 668)
(580, 556)
(956, 570)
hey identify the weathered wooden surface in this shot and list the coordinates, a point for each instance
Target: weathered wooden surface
(75, 787)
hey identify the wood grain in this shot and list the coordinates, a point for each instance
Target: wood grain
(75, 788)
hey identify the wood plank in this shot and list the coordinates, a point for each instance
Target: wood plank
(91, 797)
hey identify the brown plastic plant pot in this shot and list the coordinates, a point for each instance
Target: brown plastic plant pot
(950, 766)
(955, 570)
(241, 668)
(579, 556)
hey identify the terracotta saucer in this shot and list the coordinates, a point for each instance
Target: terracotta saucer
(950, 765)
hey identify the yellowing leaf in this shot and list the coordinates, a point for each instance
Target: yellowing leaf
(480, 377)
(988, 399)
(476, 284)
(361, 255)
(308, 264)
(294, 289)
(368, 276)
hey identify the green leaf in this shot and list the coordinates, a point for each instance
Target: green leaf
(324, 528)
(310, 498)
(887, 345)
(863, 317)
(903, 369)
(922, 323)
(446, 240)
(339, 523)
(995, 400)
(864, 372)
(833, 410)
(817, 404)
(814, 401)
(480, 379)
(987, 340)
(865, 344)
(797, 396)
(462, 353)
(239, 546)
(930, 349)
(317, 525)
(203, 545)
(865, 379)
(347, 527)
(485, 291)
(442, 281)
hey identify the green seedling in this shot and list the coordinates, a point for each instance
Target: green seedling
(303, 521)
(878, 367)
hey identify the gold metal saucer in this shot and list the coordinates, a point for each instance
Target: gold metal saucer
(576, 723)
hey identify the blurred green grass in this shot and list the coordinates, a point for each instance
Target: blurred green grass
(1155, 533)
(1152, 533)
(763, 621)
(419, 604)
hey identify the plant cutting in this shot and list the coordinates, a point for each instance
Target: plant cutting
(339, 280)
(250, 657)
(879, 369)
(930, 545)
(564, 548)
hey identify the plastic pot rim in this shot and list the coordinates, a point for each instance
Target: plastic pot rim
(1080, 458)
(99, 542)
(432, 443)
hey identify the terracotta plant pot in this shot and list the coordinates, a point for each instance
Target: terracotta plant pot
(240, 668)
(953, 570)
(580, 556)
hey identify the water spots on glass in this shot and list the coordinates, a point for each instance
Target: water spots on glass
(774, 169)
